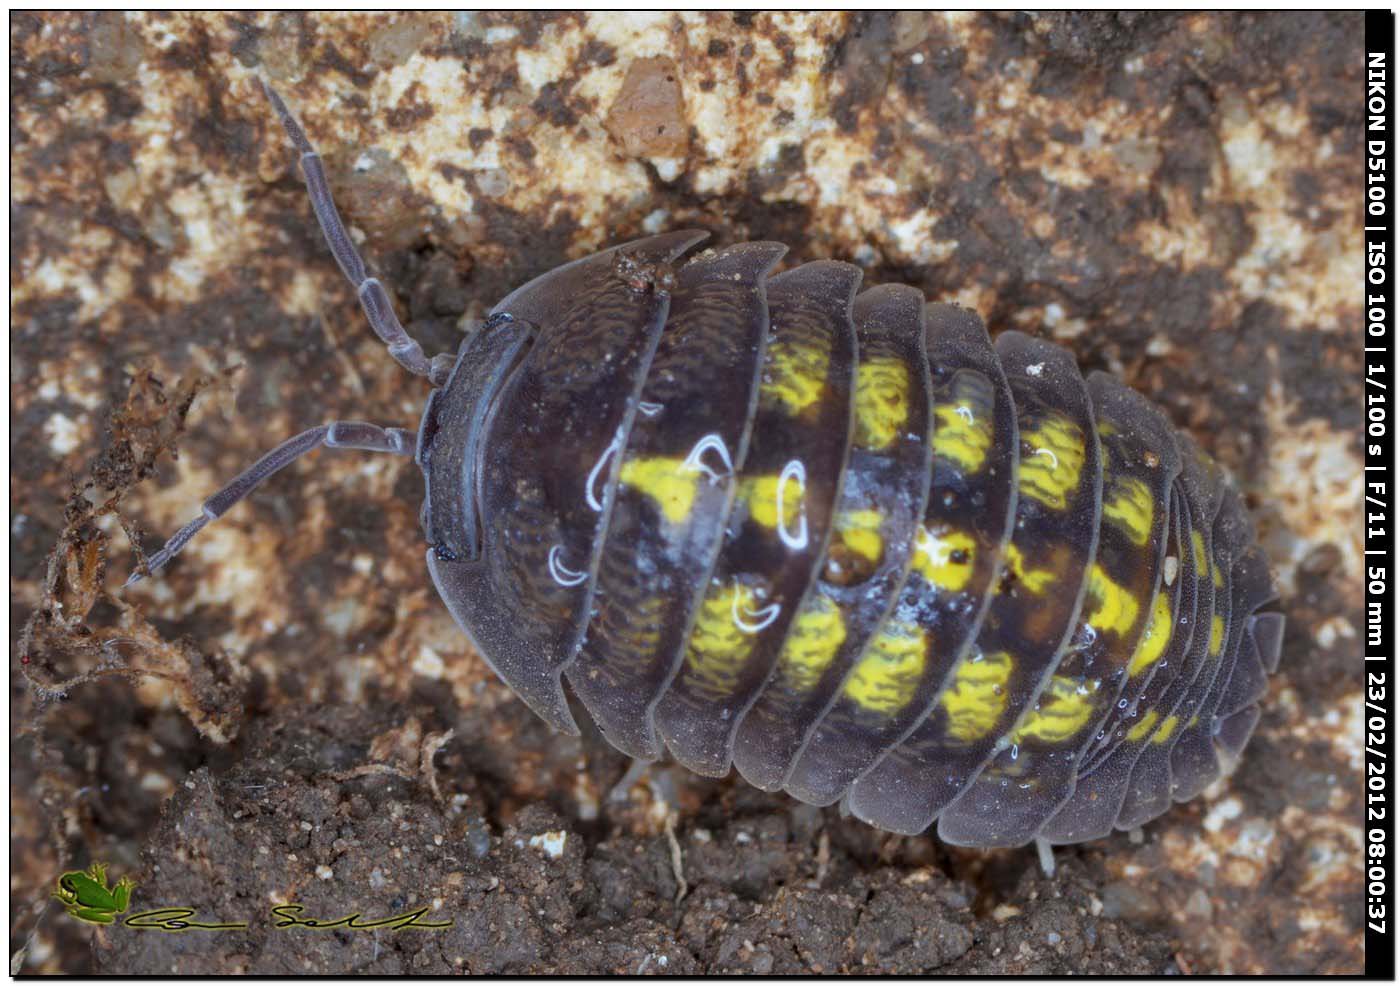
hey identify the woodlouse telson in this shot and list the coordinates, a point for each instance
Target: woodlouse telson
(842, 540)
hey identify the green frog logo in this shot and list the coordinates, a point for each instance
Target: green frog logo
(85, 894)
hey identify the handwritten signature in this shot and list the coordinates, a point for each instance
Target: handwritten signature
(408, 919)
(175, 919)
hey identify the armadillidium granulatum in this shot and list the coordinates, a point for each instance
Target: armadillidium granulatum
(841, 540)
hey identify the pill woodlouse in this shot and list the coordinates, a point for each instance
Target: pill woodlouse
(841, 540)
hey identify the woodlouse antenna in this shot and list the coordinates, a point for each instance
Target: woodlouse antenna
(379, 310)
(337, 434)
(373, 298)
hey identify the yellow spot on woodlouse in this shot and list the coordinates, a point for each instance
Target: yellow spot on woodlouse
(762, 494)
(1217, 634)
(1061, 714)
(1140, 732)
(1154, 639)
(1036, 580)
(1164, 732)
(1198, 551)
(1128, 506)
(670, 483)
(640, 633)
(1050, 468)
(944, 560)
(859, 531)
(881, 402)
(956, 439)
(794, 374)
(885, 678)
(723, 637)
(1111, 608)
(962, 431)
(817, 634)
(976, 700)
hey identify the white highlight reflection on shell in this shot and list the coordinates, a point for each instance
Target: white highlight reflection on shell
(559, 572)
(938, 550)
(710, 443)
(794, 470)
(965, 413)
(598, 466)
(765, 616)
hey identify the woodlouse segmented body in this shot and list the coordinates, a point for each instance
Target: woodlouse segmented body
(846, 543)
(840, 540)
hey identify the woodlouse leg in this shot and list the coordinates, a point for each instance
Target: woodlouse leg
(373, 298)
(636, 770)
(337, 434)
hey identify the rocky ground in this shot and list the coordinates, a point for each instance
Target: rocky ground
(289, 714)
